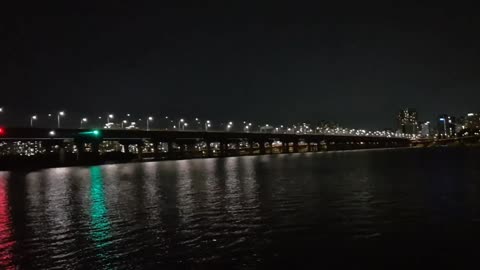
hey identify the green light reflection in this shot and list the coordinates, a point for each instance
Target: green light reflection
(100, 224)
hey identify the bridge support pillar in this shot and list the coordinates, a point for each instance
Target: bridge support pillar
(48, 147)
(183, 150)
(262, 148)
(223, 146)
(155, 150)
(140, 151)
(209, 148)
(170, 151)
(285, 147)
(80, 150)
(295, 147)
(237, 148)
(250, 147)
(61, 153)
(126, 148)
(95, 148)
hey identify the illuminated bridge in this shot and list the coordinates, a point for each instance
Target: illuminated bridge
(46, 147)
(462, 140)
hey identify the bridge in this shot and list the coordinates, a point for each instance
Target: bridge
(41, 147)
(463, 140)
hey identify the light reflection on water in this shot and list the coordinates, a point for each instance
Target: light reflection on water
(7, 241)
(269, 211)
(100, 225)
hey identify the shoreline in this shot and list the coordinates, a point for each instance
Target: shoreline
(99, 163)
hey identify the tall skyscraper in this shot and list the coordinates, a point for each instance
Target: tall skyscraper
(407, 121)
(446, 126)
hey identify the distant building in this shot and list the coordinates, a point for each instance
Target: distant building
(446, 126)
(407, 121)
(472, 121)
(460, 124)
(425, 130)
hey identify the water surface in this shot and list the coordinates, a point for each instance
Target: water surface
(384, 207)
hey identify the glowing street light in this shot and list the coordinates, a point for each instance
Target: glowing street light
(207, 125)
(51, 133)
(185, 125)
(60, 114)
(34, 117)
(124, 122)
(110, 116)
(84, 120)
(148, 121)
(180, 123)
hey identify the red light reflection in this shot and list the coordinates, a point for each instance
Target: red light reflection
(6, 234)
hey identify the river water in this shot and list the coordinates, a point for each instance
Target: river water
(387, 208)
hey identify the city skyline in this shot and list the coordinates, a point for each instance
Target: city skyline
(407, 121)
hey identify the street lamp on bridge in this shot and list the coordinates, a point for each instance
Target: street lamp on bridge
(84, 120)
(148, 121)
(207, 125)
(180, 123)
(60, 114)
(34, 117)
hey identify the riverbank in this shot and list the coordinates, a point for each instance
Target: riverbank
(29, 164)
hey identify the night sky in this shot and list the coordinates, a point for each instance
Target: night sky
(357, 65)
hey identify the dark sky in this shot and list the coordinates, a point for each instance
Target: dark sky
(357, 65)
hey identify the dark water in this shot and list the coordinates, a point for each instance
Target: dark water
(383, 208)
